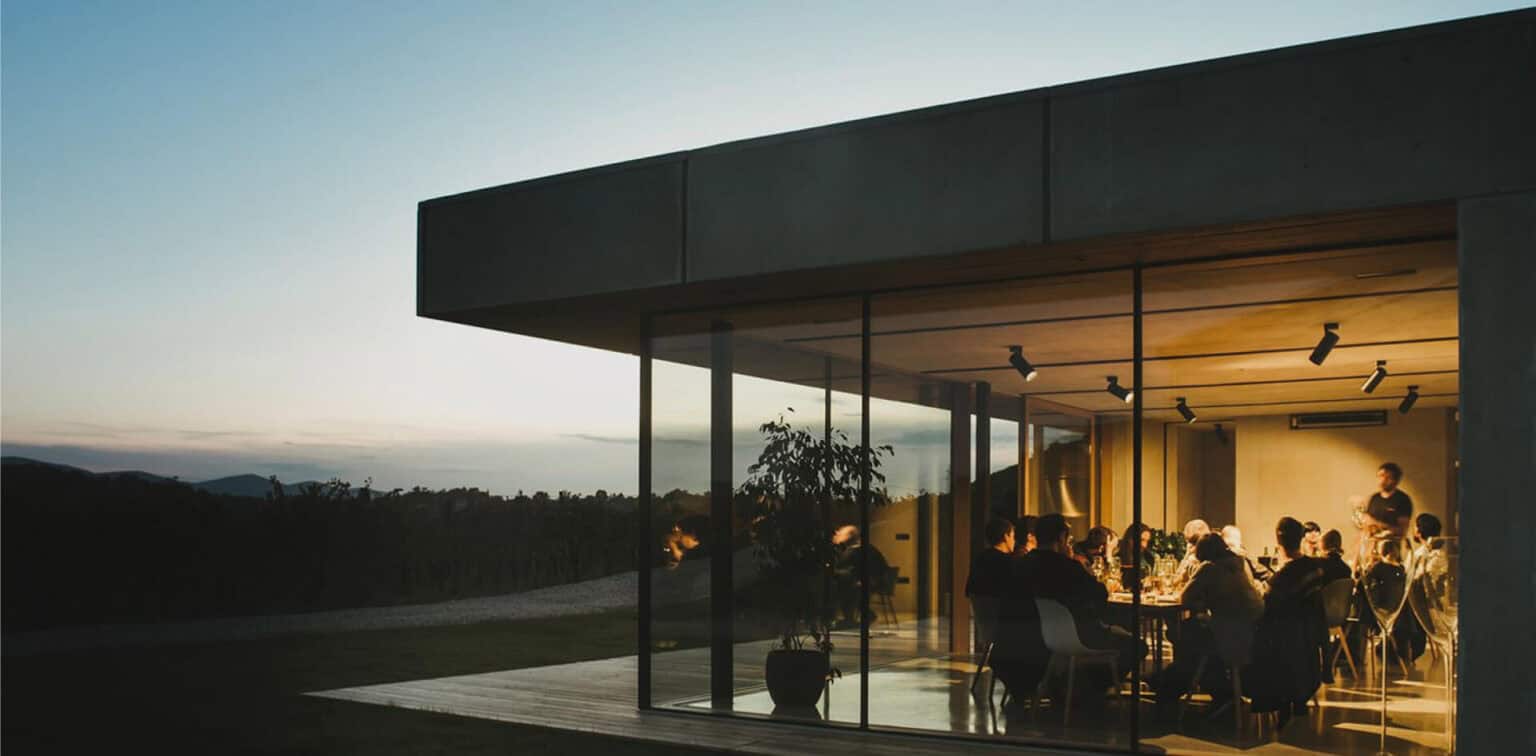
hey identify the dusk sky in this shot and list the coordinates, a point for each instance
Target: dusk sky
(207, 237)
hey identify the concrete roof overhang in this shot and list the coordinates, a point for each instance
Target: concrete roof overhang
(1358, 141)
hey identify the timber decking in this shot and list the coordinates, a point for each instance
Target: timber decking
(917, 692)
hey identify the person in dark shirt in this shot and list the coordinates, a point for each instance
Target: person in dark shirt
(1024, 536)
(1292, 636)
(1135, 535)
(1389, 507)
(1334, 566)
(1051, 572)
(995, 567)
(845, 571)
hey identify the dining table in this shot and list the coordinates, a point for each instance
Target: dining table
(1160, 609)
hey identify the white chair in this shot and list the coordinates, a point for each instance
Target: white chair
(1059, 631)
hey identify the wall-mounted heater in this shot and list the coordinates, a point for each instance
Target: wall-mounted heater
(1314, 420)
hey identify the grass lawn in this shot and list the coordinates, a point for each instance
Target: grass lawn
(245, 697)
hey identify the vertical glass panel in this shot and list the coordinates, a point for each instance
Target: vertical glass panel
(680, 518)
(1041, 346)
(774, 427)
(1267, 427)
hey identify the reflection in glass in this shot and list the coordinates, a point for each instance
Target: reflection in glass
(1384, 581)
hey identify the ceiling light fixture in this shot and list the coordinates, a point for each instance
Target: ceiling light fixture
(1184, 410)
(1375, 378)
(1119, 392)
(1325, 344)
(1016, 358)
(1413, 396)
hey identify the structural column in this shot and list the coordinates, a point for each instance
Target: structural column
(1496, 704)
(721, 539)
(960, 516)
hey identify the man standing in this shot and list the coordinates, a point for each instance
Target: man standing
(1389, 507)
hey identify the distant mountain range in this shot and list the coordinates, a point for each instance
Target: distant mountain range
(249, 485)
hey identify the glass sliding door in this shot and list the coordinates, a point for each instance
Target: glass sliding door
(955, 370)
(759, 425)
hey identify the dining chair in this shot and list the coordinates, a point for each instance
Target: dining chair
(1059, 631)
(985, 609)
(1336, 599)
(1233, 647)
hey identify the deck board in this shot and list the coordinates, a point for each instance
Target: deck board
(599, 697)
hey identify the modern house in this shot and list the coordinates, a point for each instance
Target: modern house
(1101, 300)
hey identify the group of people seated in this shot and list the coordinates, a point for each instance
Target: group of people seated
(1266, 615)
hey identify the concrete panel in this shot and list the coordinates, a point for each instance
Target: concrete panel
(927, 184)
(607, 230)
(1498, 475)
(1408, 119)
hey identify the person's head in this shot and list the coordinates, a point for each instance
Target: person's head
(1311, 541)
(1024, 535)
(1288, 534)
(1388, 476)
(1193, 530)
(1052, 533)
(1000, 534)
(1136, 532)
(1232, 537)
(1333, 542)
(1098, 540)
(1210, 547)
(1428, 526)
(847, 535)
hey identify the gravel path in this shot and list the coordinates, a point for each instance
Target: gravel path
(613, 592)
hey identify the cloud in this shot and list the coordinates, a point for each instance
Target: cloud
(627, 440)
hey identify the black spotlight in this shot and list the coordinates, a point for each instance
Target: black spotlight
(1016, 358)
(1374, 379)
(1221, 435)
(1119, 392)
(1413, 396)
(1185, 411)
(1325, 344)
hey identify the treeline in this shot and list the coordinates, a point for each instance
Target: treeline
(81, 549)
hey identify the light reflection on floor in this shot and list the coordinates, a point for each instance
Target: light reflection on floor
(933, 694)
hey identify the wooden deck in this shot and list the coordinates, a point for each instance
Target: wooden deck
(599, 697)
(920, 694)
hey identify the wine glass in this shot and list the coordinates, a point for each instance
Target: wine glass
(1384, 581)
(1434, 599)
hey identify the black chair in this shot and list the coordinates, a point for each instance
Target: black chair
(885, 593)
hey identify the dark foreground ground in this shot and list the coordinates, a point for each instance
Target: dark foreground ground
(245, 697)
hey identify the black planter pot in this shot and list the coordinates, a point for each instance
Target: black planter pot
(796, 676)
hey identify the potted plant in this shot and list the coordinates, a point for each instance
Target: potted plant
(797, 479)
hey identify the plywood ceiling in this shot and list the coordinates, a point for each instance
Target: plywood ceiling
(1230, 336)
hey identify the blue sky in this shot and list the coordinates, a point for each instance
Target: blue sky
(207, 210)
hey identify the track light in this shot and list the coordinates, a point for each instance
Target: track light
(1413, 396)
(1016, 358)
(1119, 392)
(1221, 434)
(1375, 378)
(1325, 344)
(1185, 411)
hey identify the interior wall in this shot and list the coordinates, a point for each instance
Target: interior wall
(1115, 474)
(1312, 474)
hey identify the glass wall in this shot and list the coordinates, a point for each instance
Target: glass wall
(756, 468)
(1033, 539)
(1306, 412)
(986, 354)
